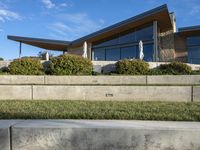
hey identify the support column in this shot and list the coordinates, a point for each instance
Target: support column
(89, 51)
(20, 49)
(155, 37)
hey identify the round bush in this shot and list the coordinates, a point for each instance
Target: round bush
(132, 67)
(175, 68)
(1, 59)
(26, 66)
(70, 65)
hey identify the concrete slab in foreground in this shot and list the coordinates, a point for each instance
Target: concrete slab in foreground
(105, 135)
(5, 134)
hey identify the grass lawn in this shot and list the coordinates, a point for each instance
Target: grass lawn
(99, 110)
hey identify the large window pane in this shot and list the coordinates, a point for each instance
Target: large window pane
(113, 54)
(193, 40)
(132, 36)
(128, 52)
(194, 55)
(144, 33)
(148, 52)
(108, 42)
(193, 49)
(99, 54)
(127, 38)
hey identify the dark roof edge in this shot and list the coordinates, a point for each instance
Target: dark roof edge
(190, 28)
(135, 18)
(29, 39)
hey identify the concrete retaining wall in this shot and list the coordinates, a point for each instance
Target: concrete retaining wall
(95, 80)
(98, 93)
(120, 88)
(100, 80)
(99, 135)
(196, 94)
(119, 93)
(174, 80)
(9, 92)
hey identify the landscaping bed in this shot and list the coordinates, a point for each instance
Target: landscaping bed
(165, 111)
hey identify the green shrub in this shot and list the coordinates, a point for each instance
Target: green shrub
(132, 67)
(155, 71)
(26, 66)
(175, 68)
(195, 72)
(1, 59)
(70, 65)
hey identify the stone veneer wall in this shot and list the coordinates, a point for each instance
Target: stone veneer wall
(79, 51)
(166, 46)
(76, 51)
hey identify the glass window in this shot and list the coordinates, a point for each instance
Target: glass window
(194, 55)
(193, 49)
(113, 54)
(127, 38)
(148, 52)
(109, 42)
(128, 52)
(144, 33)
(193, 40)
(194, 52)
(99, 54)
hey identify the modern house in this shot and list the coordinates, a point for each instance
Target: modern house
(156, 28)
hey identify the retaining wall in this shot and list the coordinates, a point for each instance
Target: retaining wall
(99, 135)
(120, 88)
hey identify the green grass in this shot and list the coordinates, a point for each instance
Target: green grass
(99, 110)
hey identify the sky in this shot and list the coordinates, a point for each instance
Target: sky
(72, 19)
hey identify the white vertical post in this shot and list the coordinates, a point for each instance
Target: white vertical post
(85, 49)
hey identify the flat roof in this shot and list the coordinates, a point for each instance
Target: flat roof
(189, 31)
(42, 43)
(160, 14)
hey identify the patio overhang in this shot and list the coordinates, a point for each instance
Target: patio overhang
(47, 44)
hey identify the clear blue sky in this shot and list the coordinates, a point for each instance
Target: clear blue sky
(71, 19)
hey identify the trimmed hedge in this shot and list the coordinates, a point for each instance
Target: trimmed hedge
(26, 66)
(132, 67)
(70, 65)
(175, 68)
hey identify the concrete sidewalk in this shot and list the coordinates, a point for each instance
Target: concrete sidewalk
(98, 135)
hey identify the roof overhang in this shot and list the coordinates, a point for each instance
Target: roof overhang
(160, 14)
(42, 43)
(189, 31)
